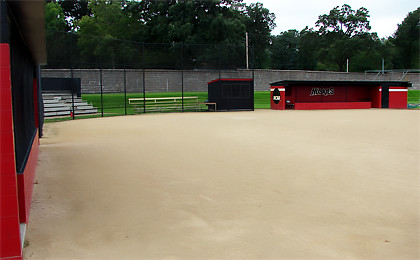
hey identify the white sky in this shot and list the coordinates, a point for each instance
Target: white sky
(385, 15)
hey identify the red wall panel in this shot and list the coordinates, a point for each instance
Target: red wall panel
(4, 76)
(376, 96)
(5, 101)
(307, 94)
(26, 182)
(10, 246)
(358, 94)
(338, 96)
(333, 105)
(303, 94)
(397, 97)
(7, 181)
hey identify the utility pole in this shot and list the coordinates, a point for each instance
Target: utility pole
(347, 65)
(246, 50)
(383, 66)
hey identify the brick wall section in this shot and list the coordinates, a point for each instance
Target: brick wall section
(196, 80)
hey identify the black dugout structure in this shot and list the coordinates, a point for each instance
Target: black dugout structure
(71, 85)
(232, 94)
(22, 51)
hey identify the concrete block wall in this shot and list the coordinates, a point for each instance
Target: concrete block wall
(196, 80)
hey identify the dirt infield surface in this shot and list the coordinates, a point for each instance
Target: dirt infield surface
(336, 184)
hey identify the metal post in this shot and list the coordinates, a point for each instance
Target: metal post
(253, 75)
(253, 62)
(71, 75)
(125, 91)
(72, 93)
(219, 65)
(247, 50)
(347, 65)
(102, 100)
(182, 76)
(383, 66)
(144, 79)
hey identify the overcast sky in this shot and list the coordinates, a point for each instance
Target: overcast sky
(385, 15)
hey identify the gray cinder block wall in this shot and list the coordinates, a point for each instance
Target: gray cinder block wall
(196, 80)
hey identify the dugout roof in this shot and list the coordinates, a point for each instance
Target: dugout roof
(339, 83)
(29, 16)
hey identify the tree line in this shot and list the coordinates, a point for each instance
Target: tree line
(211, 33)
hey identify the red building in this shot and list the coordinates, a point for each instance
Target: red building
(22, 50)
(301, 95)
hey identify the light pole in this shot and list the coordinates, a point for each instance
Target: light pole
(246, 50)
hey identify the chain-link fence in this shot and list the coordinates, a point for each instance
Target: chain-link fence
(119, 77)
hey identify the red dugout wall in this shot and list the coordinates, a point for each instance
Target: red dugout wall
(277, 95)
(339, 94)
(10, 241)
(397, 97)
(22, 49)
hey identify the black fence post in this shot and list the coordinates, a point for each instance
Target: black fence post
(253, 62)
(72, 114)
(219, 63)
(102, 101)
(253, 75)
(144, 79)
(72, 94)
(182, 76)
(125, 86)
(125, 90)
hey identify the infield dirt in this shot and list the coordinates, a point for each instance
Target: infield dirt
(336, 184)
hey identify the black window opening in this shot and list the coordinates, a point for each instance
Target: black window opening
(236, 90)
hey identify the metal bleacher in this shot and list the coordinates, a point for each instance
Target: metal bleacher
(61, 103)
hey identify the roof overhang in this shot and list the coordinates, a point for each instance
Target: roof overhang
(30, 18)
(339, 83)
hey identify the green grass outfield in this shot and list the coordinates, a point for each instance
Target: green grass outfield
(261, 98)
(113, 104)
(413, 96)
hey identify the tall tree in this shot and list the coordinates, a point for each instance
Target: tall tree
(192, 22)
(407, 42)
(259, 23)
(204, 21)
(56, 37)
(285, 50)
(345, 21)
(154, 15)
(344, 33)
(309, 43)
(106, 34)
(101, 24)
(75, 10)
(54, 17)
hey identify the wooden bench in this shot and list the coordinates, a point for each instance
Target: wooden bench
(208, 104)
(165, 104)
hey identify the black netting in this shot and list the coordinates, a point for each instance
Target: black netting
(22, 76)
(40, 103)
